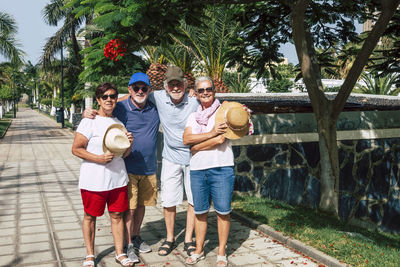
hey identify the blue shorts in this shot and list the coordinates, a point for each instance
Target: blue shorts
(215, 183)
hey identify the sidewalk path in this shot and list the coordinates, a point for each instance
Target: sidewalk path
(41, 211)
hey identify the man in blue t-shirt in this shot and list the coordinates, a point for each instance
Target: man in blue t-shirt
(140, 117)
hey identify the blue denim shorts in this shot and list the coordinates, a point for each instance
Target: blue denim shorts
(216, 184)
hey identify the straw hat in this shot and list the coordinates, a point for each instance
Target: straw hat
(115, 140)
(235, 117)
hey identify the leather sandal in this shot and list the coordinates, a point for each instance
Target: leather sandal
(124, 262)
(195, 258)
(189, 247)
(222, 261)
(166, 246)
(88, 262)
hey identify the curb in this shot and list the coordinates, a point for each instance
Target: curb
(1, 137)
(293, 243)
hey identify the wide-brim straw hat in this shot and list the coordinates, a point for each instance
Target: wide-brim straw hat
(115, 140)
(235, 117)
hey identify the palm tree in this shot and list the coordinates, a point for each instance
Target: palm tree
(377, 85)
(5, 74)
(53, 13)
(210, 43)
(9, 46)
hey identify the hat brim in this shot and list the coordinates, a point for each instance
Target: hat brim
(180, 79)
(105, 149)
(220, 118)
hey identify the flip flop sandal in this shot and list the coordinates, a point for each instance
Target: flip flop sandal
(88, 262)
(195, 258)
(189, 247)
(124, 262)
(222, 261)
(171, 246)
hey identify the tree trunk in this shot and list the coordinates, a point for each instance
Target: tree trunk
(322, 107)
(326, 111)
(329, 164)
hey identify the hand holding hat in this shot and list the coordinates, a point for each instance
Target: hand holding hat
(115, 140)
(236, 117)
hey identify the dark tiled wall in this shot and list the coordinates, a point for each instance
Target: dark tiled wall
(369, 177)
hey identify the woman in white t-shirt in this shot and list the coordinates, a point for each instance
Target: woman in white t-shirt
(103, 177)
(211, 169)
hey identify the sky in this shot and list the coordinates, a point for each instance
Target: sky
(33, 31)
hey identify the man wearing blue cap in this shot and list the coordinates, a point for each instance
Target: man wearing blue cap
(140, 117)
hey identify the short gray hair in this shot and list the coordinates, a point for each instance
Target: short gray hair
(202, 79)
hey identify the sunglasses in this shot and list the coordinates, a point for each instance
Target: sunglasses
(208, 89)
(144, 89)
(113, 96)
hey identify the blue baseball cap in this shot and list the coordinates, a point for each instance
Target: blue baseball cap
(139, 77)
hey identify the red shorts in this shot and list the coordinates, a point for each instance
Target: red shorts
(94, 203)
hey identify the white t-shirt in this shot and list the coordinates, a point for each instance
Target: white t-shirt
(94, 176)
(219, 156)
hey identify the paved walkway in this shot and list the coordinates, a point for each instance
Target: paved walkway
(41, 211)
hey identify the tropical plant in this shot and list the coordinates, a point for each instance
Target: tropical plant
(374, 84)
(54, 13)
(9, 46)
(238, 82)
(6, 93)
(157, 68)
(386, 58)
(210, 43)
(280, 85)
(5, 73)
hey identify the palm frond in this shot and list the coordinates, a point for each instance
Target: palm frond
(7, 24)
(53, 12)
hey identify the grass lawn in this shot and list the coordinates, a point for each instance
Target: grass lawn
(5, 121)
(349, 244)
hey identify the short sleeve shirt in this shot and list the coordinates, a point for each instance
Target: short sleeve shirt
(94, 176)
(220, 156)
(143, 124)
(173, 120)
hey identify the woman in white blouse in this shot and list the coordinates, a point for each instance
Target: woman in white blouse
(103, 177)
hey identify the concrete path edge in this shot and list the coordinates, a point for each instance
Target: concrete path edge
(293, 243)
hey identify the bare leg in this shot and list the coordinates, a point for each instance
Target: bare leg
(224, 224)
(89, 230)
(201, 230)
(190, 220)
(169, 216)
(117, 228)
(128, 218)
(138, 219)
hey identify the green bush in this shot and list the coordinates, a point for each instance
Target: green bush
(238, 82)
(46, 101)
(57, 102)
(280, 85)
(6, 93)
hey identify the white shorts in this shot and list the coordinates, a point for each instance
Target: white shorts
(173, 178)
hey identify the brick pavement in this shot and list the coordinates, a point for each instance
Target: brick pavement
(41, 211)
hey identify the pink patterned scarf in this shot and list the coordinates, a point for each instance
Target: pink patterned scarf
(202, 116)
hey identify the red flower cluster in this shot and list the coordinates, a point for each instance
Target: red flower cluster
(114, 48)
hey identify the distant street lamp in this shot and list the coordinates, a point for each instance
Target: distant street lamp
(38, 91)
(15, 107)
(62, 88)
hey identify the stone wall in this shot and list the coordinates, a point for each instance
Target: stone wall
(281, 161)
